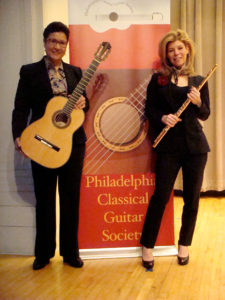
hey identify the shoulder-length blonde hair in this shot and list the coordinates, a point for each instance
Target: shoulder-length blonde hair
(172, 36)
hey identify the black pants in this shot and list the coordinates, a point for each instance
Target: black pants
(167, 167)
(45, 182)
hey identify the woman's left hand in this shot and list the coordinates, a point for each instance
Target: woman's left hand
(81, 103)
(194, 96)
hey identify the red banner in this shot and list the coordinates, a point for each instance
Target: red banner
(113, 209)
(118, 174)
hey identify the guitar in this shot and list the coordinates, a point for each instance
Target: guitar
(48, 141)
(119, 123)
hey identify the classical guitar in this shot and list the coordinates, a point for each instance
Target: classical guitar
(48, 141)
(119, 123)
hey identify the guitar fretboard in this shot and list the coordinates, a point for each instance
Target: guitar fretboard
(78, 91)
(137, 98)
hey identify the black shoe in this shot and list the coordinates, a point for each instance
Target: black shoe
(74, 261)
(182, 260)
(148, 264)
(39, 264)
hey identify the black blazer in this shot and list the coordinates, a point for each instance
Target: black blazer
(33, 93)
(186, 135)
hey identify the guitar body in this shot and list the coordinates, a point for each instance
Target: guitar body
(119, 126)
(48, 141)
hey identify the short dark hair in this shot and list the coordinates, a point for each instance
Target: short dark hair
(56, 27)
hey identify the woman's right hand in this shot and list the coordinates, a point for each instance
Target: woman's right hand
(170, 120)
(18, 147)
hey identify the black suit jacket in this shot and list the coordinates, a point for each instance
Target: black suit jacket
(187, 134)
(33, 93)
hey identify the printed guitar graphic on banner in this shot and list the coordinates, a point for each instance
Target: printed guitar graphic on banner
(48, 141)
(119, 125)
(118, 172)
(103, 15)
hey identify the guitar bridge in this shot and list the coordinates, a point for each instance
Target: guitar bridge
(47, 143)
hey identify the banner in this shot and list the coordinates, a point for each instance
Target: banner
(118, 174)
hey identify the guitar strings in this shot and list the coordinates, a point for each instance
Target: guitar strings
(138, 104)
(108, 151)
(116, 121)
(124, 134)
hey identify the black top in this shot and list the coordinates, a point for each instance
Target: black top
(164, 97)
(33, 93)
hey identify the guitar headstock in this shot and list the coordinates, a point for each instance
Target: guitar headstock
(103, 51)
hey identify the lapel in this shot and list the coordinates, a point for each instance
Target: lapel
(168, 95)
(44, 81)
(194, 81)
(43, 77)
(71, 79)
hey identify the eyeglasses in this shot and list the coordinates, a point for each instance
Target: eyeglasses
(54, 42)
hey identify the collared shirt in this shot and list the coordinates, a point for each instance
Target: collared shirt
(57, 78)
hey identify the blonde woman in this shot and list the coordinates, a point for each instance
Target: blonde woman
(185, 145)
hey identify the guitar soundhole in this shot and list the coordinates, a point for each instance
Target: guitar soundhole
(119, 126)
(124, 126)
(60, 119)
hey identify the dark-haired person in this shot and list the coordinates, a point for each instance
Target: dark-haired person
(184, 146)
(38, 83)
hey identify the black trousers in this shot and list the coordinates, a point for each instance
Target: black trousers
(45, 183)
(167, 167)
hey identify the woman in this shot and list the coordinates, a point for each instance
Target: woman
(184, 146)
(39, 82)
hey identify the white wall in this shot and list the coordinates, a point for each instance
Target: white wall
(21, 27)
(17, 224)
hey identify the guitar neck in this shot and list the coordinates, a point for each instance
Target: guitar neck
(137, 98)
(80, 88)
